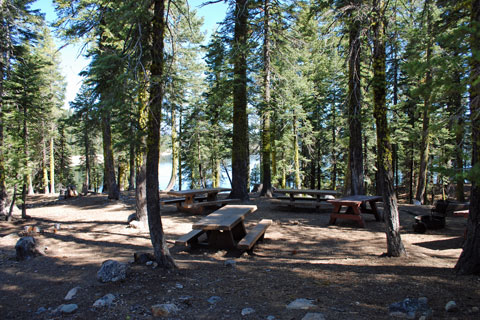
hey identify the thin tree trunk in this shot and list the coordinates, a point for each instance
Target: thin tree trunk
(334, 144)
(86, 142)
(160, 248)
(458, 112)
(44, 162)
(4, 56)
(173, 176)
(179, 149)
(354, 109)
(395, 246)
(469, 261)
(296, 160)
(267, 189)
(131, 161)
(52, 164)
(109, 163)
(240, 143)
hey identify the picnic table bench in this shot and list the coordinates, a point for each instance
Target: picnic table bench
(225, 228)
(356, 205)
(195, 200)
(296, 196)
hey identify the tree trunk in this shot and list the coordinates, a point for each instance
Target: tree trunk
(160, 248)
(173, 176)
(458, 126)
(109, 164)
(267, 189)
(44, 163)
(131, 161)
(52, 164)
(179, 150)
(469, 261)
(141, 191)
(395, 246)
(296, 160)
(240, 143)
(86, 142)
(120, 174)
(333, 183)
(3, 183)
(354, 109)
(425, 145)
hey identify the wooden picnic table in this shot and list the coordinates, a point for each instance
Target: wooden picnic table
(356, 205)
(188, 201)
(225, 227)
(316, 195)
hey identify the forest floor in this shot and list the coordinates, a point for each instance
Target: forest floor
(339, 268)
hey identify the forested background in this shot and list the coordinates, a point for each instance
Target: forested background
(301, 128)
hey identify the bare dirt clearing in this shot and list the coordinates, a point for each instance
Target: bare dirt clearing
(338, 267)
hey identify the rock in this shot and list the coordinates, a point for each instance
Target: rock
(475, 309)
(230, 263)
(132, 217)
(67, 308)
(214, 299)
(149, 263)
(451, 306)
(178, 285)
(40, 310)
(314, 316)
(271, 318)
(163, 310)
(301, 304)
(71, 294)
(112, 271)
(411, 309)
(104, 301)
(247, 311)
(26, 248)
(143, 257)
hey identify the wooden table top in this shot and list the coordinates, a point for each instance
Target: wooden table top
(307, 191)
(224, 218)
(196, 191)
(356, 199)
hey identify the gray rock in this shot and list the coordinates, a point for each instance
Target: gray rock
(71, 294)
(40, 310)
(451, 306)
(178, 285)
(271, 318)
(112, 271)
(314, 316)
(230, 263)
(301, 304)
(163, 310)
(247, 311)
(26, 248)
(67, 308)
(214, 299)
(410, 309)
(104, 301)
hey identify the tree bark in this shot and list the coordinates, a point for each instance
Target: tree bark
(52, 163)
(354, 109)
(395, 246)
(469, 261)
(296, 160)
(240, 143)
(109, 163)
(131, 161)
(44, 162)
(160, 248)
(173, 176)
(267, 190)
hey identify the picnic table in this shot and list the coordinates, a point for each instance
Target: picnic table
(194, 200)
(316, 196)
(356, 205)
(225, 228)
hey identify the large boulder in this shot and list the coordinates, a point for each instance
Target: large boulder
(112, 271)
(26, 248)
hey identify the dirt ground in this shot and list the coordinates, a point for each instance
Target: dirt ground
(339, 267)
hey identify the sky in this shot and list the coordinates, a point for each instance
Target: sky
(72, 63)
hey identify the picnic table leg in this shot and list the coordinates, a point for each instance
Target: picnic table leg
(221, 239)
(373, 205)
(336, 210)
(358, 216)
(239, 231)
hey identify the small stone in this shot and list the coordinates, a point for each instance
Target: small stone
(155, 265)
(112, 271)
(301, 304)
(163, 310)
(230, 263)
(271, 318)
(104, 301)
(178, 286)
(71, 294)
(68, 308)
(214, 299)
(149, 263)
(451, 306)
(247, 311)
(40, 310)
(475, 309)
(314, 316)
